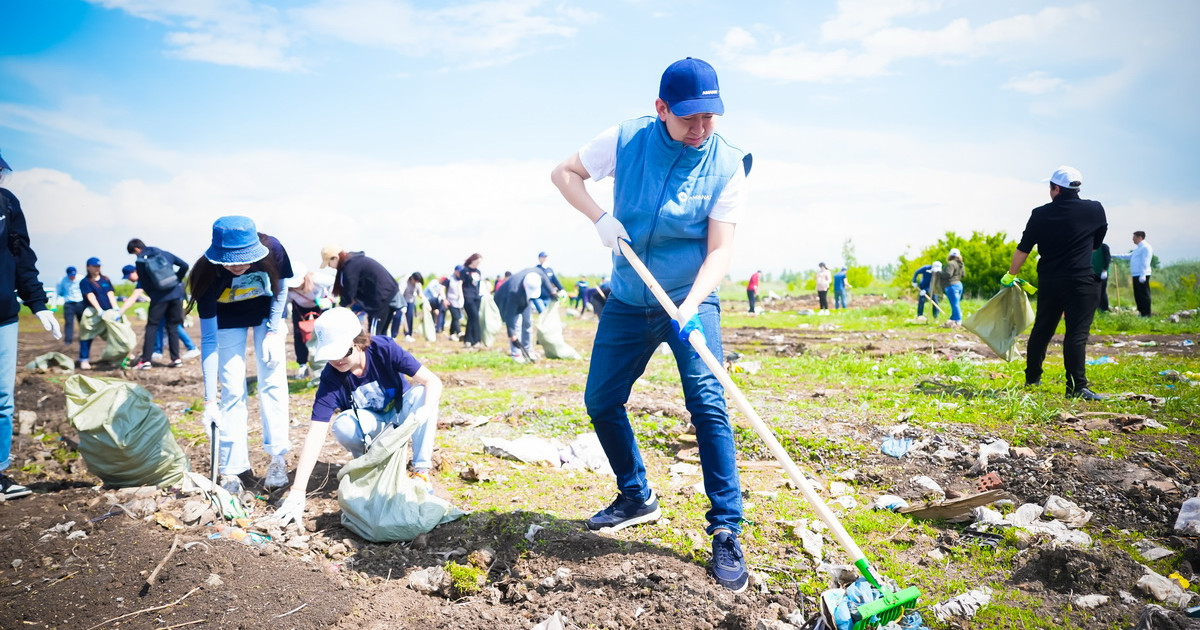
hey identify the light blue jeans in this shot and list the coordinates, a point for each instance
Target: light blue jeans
(353, 428)
(625, 340)
(8, 379)
(954, 294)
(233, 449)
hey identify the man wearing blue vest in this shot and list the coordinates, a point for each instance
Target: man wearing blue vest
(678, 193)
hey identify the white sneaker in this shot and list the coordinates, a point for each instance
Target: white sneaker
(10, 489)
(192, 354)
(302, 373)
(85, 365)
(408, 337)
(277, 476)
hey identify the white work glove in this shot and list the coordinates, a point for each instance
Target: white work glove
(292, 509)
(212, 416)
(50, 323)
(274, 352)
(1104, 275)
(611, 231)
(1142, 279)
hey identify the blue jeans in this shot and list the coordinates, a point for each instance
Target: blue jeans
(183, 337)
(954, 296)
(839, 298)
(625, 340)
(233, 447)
(8, 379)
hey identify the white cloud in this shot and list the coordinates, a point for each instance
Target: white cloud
(1034, 83)
(258, 35)
(873, 46)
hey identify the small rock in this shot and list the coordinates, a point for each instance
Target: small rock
(1023, 451)
(429, 581)
(25, 421)
(1088, 602)
(482, 558)
(773, 624)
(193, 512)
(16, 564)
(214, 580)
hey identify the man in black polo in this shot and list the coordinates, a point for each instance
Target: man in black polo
(1065, 231)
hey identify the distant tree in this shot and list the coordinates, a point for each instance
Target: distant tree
(985, 256)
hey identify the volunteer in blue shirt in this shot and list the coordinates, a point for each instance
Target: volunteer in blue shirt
(364, 389)
(73, 305)
(237, 287)
(1139, 271)
(678, 194)
(97, 291)
(923, 279)
(841, 287)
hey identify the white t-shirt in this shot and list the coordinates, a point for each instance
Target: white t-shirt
(599, 157)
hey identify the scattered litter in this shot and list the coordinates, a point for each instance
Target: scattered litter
(889, 502)
(952, 508)
(929, 485)
(1164, 589)
(1089, 602)
(528, 449)
(896, 447)
(965, 605)
(683, 469)
(997, 449)
(587, 453)
(983, 539)
(532, 532)
(1104, 360)
(1154, 617)
(1179, 579)
(1153, 400)
(1188, 521)
(748, 367)
(554, 622)
(845, 502)
(811, 541)
(1063, 510)
(1178, 316)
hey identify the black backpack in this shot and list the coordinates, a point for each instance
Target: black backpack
(160, 272)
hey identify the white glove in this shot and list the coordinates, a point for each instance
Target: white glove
(273, 350)
(212, 416)
(292, 509)
(1142, 279)
(51, 324)
(1104, 275)
(425, 413)
(610, 231)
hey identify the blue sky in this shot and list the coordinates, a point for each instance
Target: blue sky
(421, 132)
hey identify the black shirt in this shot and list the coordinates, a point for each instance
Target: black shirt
(1065, 231)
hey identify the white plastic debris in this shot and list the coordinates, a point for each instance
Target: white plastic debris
(996, 449)
(889, 502)
(554, 622)
(1164, 589)
(929, 485)
(965, 605)
(1088, 602)
(1188, 521)
(585, 452)
(811, 541)
(527, 448)
(532, 532)
(683, 468)
(1151, 551)
(1069, 513)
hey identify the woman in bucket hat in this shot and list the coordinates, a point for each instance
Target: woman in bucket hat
(238, 289)
(369, 383)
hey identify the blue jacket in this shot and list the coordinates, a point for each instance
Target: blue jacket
(18, 263)
(663, 193)
(926, 274)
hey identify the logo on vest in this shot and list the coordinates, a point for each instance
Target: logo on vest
(683, 197)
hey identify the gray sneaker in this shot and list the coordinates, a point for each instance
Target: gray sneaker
(10, 489)
(277, 475)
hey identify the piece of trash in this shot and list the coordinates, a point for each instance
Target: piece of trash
(1164, 589)
(999, 448)
(1179, 579)
(1070, 514)
(531, 533)
(965, 605)
(896, 447)
(983, 539)
(812, 542)
(527, 448)
(1188, 521)
(1151, 551)
(929, 485)
(961, 506)
(889, 502)
(1088, 602)
(1104, 360)
(554, 622)
(683, 468)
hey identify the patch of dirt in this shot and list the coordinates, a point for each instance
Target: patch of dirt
(1075, 571)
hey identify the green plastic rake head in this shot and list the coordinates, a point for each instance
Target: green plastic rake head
(886, 609)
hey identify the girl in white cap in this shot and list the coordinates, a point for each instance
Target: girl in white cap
(238, 288)
(364, 389)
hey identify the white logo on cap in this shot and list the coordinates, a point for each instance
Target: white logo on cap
(708, 92)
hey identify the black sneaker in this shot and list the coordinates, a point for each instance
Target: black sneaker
(1036, 383)
(624, 513)
(177, 363)
(1086, 394)
(10, 489)
(728, 565)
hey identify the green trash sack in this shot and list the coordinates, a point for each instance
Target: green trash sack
(999, 322)
(109, 326)
(428, 328)
(380, 502)
(124, 438)
(490, 321)
(51, 361)
(550, 334)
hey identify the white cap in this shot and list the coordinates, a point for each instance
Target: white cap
(954, 252)
(936, 266)
(335, 331)
(1066, 177)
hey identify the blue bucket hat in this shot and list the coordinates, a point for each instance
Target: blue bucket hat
(689, 86)
(235, 242)
(93, 262)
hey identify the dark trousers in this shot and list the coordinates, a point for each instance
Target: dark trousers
(72, 314)
(1074, 298)
(474, 327)
(1103, 289)
(1141, 295)
(752, 296)
(170, 313)
(298, 313)
(455, 316)
(823, 297)
(377, 323)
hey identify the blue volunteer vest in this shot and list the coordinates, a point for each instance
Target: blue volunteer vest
(663, 192)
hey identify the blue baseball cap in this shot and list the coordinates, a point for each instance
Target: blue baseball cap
(126, 270)
(71, 271)
(93, 262)
(4, 165)
(542, 254)
(689, 86)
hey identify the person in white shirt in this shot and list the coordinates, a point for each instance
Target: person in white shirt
(1139, 268)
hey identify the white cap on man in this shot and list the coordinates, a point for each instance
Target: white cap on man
(1066, 177)
(335, 331)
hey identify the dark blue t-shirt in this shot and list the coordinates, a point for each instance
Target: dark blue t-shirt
(380, 388)
(244, 301)
(839, 281)
(100, 287)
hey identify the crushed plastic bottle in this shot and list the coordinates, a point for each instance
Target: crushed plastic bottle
(1188, 521)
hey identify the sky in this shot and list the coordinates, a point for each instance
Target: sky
(422, 132)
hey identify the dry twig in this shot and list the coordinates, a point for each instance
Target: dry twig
(290, 611)
(154, 573)
(144, 610)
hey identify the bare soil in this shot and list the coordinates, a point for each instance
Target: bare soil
(326, 577)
